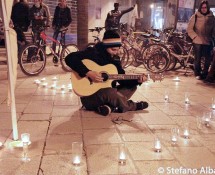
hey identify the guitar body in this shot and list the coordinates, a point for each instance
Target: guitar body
(83, 86)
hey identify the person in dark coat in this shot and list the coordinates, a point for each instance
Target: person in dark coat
(21, 22)
(201, 29)
(117, 97)
(62, 19)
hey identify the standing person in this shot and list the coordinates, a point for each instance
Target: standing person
(38, 18)
(111, 99)
(62, 19)
(19, 16)
(113, 17)
(48, 19)
(201, 29)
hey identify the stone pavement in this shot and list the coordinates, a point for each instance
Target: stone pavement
(55, 120)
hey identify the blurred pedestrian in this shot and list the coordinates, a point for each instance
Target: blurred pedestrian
(201, 29)
(61, 21)
(112, 21)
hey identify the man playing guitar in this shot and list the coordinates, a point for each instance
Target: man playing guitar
(106, 99)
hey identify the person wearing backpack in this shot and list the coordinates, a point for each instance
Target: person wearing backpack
(201, 29)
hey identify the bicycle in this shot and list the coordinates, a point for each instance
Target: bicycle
(145, 48)
(181, 50)
(32, 57)
(96, 37)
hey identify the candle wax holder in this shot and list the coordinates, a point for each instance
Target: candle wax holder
(187, 98)
(25, 137)
(122, 154)
(157, 145)
(174, 135)
(186, 134)
(77, 153)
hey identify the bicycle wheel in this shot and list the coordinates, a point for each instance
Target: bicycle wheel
(69, 48)
(32, 59)
(172, 64)
(152, 49)
(123, 54)
(157, 63)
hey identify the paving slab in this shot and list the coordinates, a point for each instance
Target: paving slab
(103, 159)
(55, 119)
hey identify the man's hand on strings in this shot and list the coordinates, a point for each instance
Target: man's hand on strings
(142, 78)
(94, 76)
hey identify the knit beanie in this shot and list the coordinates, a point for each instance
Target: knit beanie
(111, 39)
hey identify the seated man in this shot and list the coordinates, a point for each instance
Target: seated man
(115, 98)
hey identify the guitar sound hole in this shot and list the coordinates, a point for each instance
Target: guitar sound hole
(105, 76)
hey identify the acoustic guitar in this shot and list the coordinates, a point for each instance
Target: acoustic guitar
(85, 87)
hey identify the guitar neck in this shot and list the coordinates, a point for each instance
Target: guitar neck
(123, 77)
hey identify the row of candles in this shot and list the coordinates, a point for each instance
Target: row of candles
(187, 99)
(77, 147)
(44, 84)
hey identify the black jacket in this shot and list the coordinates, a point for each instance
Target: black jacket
(19, 16)
(62, 17)
(99, 55)
(34, 11)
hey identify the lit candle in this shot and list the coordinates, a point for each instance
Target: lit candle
(177, 79)
(157, 145)
(213, 106)
(25, 141)
(166, 98)
(54, 78)
(174, 139)
(53, 86)
(122, 158)
(35, 81)
(207, 122)
(43, 79)
(70, 89)
(25, 137)
(186, 133)
(76, 153)
(76, 160)
(122, 154)
(45, 85)
(38, 82)
(187, 101)
(63, 87)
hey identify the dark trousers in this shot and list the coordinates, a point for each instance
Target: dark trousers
(55, 35)
(202, 51)
(114, 98)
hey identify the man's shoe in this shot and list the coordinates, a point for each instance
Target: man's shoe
(141, 105)
(104, 110)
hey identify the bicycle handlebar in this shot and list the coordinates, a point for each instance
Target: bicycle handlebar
(97, 29)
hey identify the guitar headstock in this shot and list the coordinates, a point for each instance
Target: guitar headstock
(155, 76)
